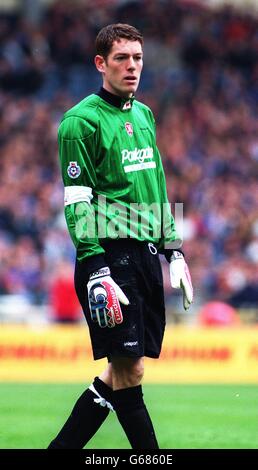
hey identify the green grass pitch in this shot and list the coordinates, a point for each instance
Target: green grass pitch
(184, 416)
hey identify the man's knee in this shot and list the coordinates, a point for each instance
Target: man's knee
(127, 372)
(137, 371)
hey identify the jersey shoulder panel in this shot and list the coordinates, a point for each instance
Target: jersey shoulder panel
(80, 121)
(144, 109)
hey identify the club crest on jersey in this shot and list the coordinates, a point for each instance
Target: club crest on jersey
(129, 128)
(73, 170)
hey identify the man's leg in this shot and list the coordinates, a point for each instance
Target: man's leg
(88, 414)
(128, 402)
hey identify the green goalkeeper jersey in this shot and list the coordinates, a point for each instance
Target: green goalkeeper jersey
(113, 175)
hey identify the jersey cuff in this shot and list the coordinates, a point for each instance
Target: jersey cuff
(92, 263)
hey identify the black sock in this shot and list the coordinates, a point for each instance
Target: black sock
(134, 418)
(88, 414)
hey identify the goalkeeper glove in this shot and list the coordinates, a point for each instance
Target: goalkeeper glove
(180, 277)
(104, 297)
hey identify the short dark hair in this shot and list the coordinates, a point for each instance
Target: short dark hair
(114, 32)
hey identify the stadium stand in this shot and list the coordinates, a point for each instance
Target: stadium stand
(200, 79)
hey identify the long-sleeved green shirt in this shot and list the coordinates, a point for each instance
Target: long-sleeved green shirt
(113, 175)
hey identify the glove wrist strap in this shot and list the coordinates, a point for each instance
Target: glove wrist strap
(100, 273)
(176, 255)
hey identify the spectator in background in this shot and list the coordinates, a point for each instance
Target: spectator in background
(64, 304)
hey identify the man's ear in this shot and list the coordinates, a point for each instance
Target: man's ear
(100, 63)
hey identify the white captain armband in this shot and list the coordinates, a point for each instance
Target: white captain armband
(74, 194)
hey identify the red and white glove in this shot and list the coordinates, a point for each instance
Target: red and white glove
(104, 297)
(180, 277)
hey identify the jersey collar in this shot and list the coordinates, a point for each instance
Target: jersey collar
(122, 103)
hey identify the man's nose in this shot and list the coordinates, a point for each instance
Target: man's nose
(131, 64)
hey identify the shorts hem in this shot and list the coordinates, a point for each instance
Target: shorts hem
(103, 355)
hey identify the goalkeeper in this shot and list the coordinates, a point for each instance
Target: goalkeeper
(111, 165)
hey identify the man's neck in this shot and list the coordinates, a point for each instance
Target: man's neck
(114, 100)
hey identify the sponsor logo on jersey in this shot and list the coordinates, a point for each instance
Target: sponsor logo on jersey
(137, 159)
(137, 155)
(73, 170)
(129, 128)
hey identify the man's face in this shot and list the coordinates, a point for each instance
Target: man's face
(122, 69)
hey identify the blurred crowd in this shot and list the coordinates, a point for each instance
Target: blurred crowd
(201, 81)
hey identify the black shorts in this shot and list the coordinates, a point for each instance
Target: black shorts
(136, 269)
